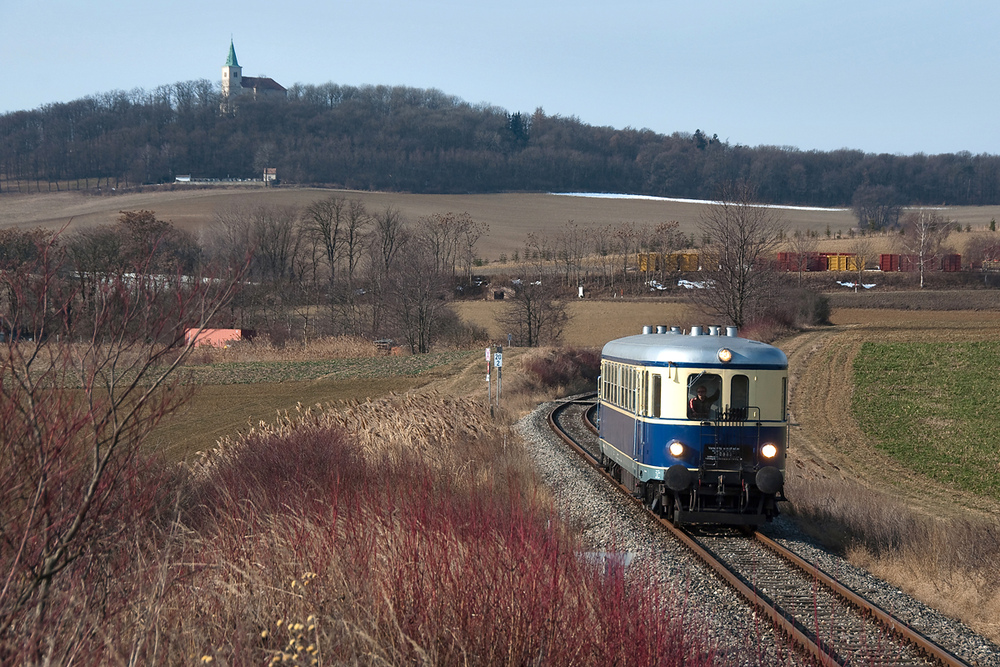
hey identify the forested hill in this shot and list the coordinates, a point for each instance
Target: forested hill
(408, 139)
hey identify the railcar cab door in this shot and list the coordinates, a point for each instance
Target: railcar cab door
(635, 404)
(642, 410)
(652, 393)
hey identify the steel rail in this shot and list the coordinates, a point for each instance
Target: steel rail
(813, 647)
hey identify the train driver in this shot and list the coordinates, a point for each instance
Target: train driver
(700, 406)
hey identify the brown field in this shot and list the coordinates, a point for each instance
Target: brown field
(510, 216)
(592, 323)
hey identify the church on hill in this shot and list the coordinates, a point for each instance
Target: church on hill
(235, 84)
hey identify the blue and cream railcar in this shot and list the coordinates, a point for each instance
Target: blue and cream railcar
(696, 423)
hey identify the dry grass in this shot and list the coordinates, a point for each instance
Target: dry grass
(593, 323)
(950, 564)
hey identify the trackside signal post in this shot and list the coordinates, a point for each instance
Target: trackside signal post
(494, 360)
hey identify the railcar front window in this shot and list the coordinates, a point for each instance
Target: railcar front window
(657, 393)
(739, 397)
(704, 392)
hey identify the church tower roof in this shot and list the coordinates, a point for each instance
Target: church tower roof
(231, 60)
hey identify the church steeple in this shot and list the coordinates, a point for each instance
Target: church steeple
(231, 60)
(232, 74)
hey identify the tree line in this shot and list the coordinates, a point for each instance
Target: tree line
(333, 267)
(422, 140)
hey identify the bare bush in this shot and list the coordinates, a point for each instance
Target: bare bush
(570, 370)
(72, 417)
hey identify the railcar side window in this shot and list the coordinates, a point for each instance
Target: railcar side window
(739, 397)
(704, 392)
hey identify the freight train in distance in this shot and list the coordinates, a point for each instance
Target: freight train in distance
(695, 423)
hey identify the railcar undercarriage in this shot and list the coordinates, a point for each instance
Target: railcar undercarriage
(741, 497)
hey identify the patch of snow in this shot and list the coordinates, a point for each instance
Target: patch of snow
(612, 195)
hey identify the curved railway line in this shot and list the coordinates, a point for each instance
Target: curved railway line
(831, 624)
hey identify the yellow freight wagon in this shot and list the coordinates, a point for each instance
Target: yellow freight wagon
(681, 261)
(688, 261)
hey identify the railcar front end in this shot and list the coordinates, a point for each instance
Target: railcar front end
(695, 424)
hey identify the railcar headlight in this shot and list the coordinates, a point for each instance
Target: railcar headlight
(725, 355)
(769, 451)
(676, 449)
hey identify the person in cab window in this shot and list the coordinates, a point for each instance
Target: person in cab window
(700, 406)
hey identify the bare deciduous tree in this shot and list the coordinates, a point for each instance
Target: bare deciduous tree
(418, 296)
(536, 315)
(325, 219)
(865, 256)
(572, 243)
(663, 238)
(802, 245)
(626, 237)
(389, 234)
(441, 235)
(924, 234)
(470, 233)
(743, 235)
(876, 207)
(356, 223)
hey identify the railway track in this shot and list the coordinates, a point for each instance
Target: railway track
(830, 624)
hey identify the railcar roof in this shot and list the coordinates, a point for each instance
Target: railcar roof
(701, 350)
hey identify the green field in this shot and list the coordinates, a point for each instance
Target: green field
(933, 407)
(230, 397)
(332, 369)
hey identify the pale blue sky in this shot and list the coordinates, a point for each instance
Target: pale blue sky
(895, 76)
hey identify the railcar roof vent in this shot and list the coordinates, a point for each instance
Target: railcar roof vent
(714, 330)
(675, 330)
(647, 329)
(660, 329)
(696, 331)
(732, 332)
